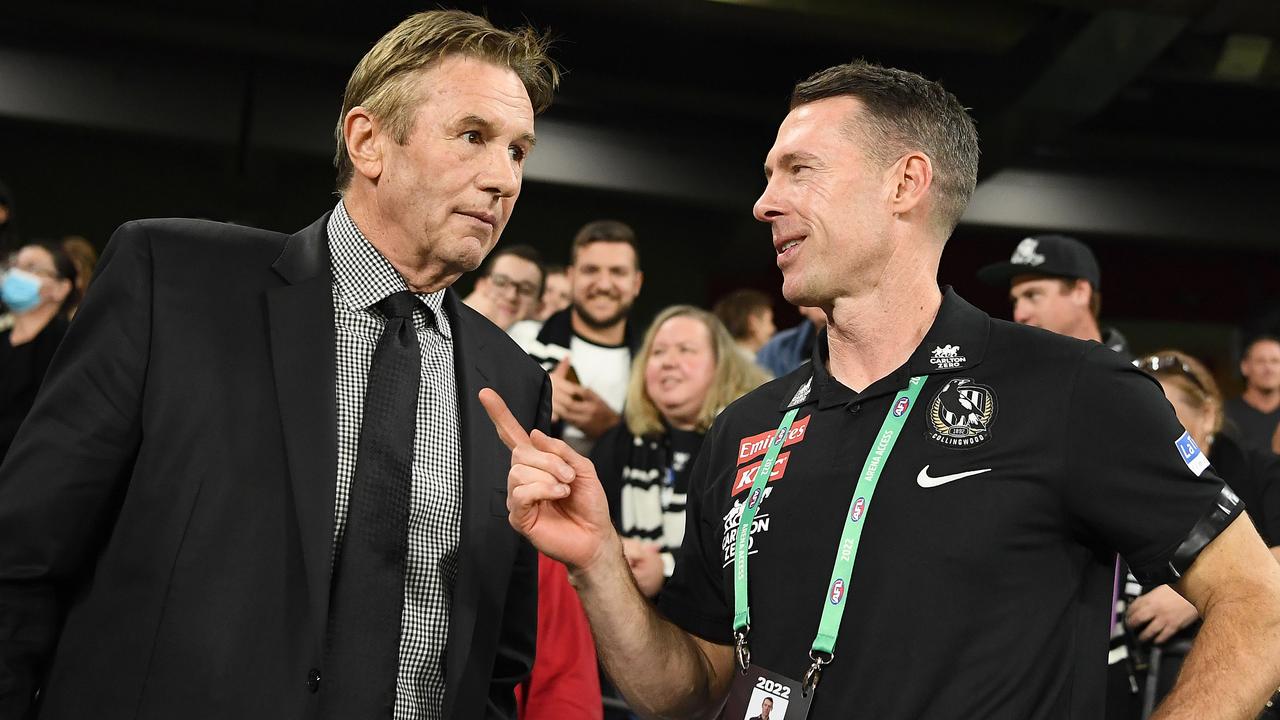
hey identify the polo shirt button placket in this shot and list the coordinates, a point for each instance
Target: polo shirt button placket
(313, 680)
(855, 408)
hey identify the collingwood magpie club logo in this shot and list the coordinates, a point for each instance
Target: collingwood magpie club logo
(1025, 253)
(961, 413)
(946, 357)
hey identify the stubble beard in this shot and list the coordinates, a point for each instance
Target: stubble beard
(605, 323)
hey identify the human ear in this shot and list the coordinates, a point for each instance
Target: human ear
(363, 136)
(913, 178)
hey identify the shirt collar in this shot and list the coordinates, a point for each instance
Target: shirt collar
(363, 276)
(956, 341)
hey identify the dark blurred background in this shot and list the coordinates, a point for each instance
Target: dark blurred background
(1147, 129)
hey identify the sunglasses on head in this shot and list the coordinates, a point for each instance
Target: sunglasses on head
(1156, 364)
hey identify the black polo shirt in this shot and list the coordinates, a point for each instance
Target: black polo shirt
(982, 588)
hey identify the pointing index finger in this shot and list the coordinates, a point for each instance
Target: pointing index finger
(504, 422)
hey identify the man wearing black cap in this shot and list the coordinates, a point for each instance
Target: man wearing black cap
(1054, 283)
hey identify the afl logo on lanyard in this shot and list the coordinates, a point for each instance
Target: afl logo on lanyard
(837, 591)
(901, 406)
(856, 513)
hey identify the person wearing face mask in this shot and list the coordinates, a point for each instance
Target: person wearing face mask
(1160, 615)
(38, 287)
(688, 369)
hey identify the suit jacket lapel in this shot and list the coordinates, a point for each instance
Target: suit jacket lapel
(481, 464)
(304, 359)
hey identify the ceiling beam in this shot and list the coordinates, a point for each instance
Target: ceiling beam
(1108, 54)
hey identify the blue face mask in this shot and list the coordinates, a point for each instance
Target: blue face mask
(20, 290)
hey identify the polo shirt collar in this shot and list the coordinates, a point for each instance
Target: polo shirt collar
(956, 341)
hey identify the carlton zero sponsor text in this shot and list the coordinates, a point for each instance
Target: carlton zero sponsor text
(752, 447)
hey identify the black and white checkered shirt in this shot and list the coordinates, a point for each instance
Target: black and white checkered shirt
(361, 278)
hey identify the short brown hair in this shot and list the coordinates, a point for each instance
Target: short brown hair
(905, 112)
(738, 307)
(1095, 296)
(604, 231)
(524, 252)
(383, 84)
(735, 375)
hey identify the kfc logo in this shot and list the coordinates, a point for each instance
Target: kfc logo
(747, 476)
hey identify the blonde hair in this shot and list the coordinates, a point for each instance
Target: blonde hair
(1191, 377)
(383, 81)
(734, 375)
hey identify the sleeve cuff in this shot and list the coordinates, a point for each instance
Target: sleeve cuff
(1227, 506)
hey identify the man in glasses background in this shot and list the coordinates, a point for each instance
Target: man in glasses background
(1054, 283)
(509, 287)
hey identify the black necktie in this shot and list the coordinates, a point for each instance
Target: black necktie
(362, 654)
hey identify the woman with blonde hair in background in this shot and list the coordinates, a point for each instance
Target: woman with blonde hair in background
(1160, 615)
(688, 369)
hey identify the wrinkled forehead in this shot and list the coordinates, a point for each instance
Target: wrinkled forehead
(821, 125)
(459, 86)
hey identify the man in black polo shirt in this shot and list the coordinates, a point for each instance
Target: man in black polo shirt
(1007, 465)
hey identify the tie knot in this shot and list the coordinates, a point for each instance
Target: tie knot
(398, 305)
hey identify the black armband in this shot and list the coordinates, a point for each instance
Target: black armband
(1226, 508)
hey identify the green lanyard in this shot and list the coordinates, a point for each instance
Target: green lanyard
(838, 588)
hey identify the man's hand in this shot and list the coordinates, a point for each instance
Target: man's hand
(556, 501)
(590, 413)
(562, 388)
(646, 565)
(1163, 612)
(579, 406)
(553, 495)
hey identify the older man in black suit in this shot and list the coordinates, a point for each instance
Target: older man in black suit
(258, 482)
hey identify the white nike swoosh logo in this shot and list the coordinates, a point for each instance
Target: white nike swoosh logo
(926, 481)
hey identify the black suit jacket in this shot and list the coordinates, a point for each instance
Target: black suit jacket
(166, 511)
